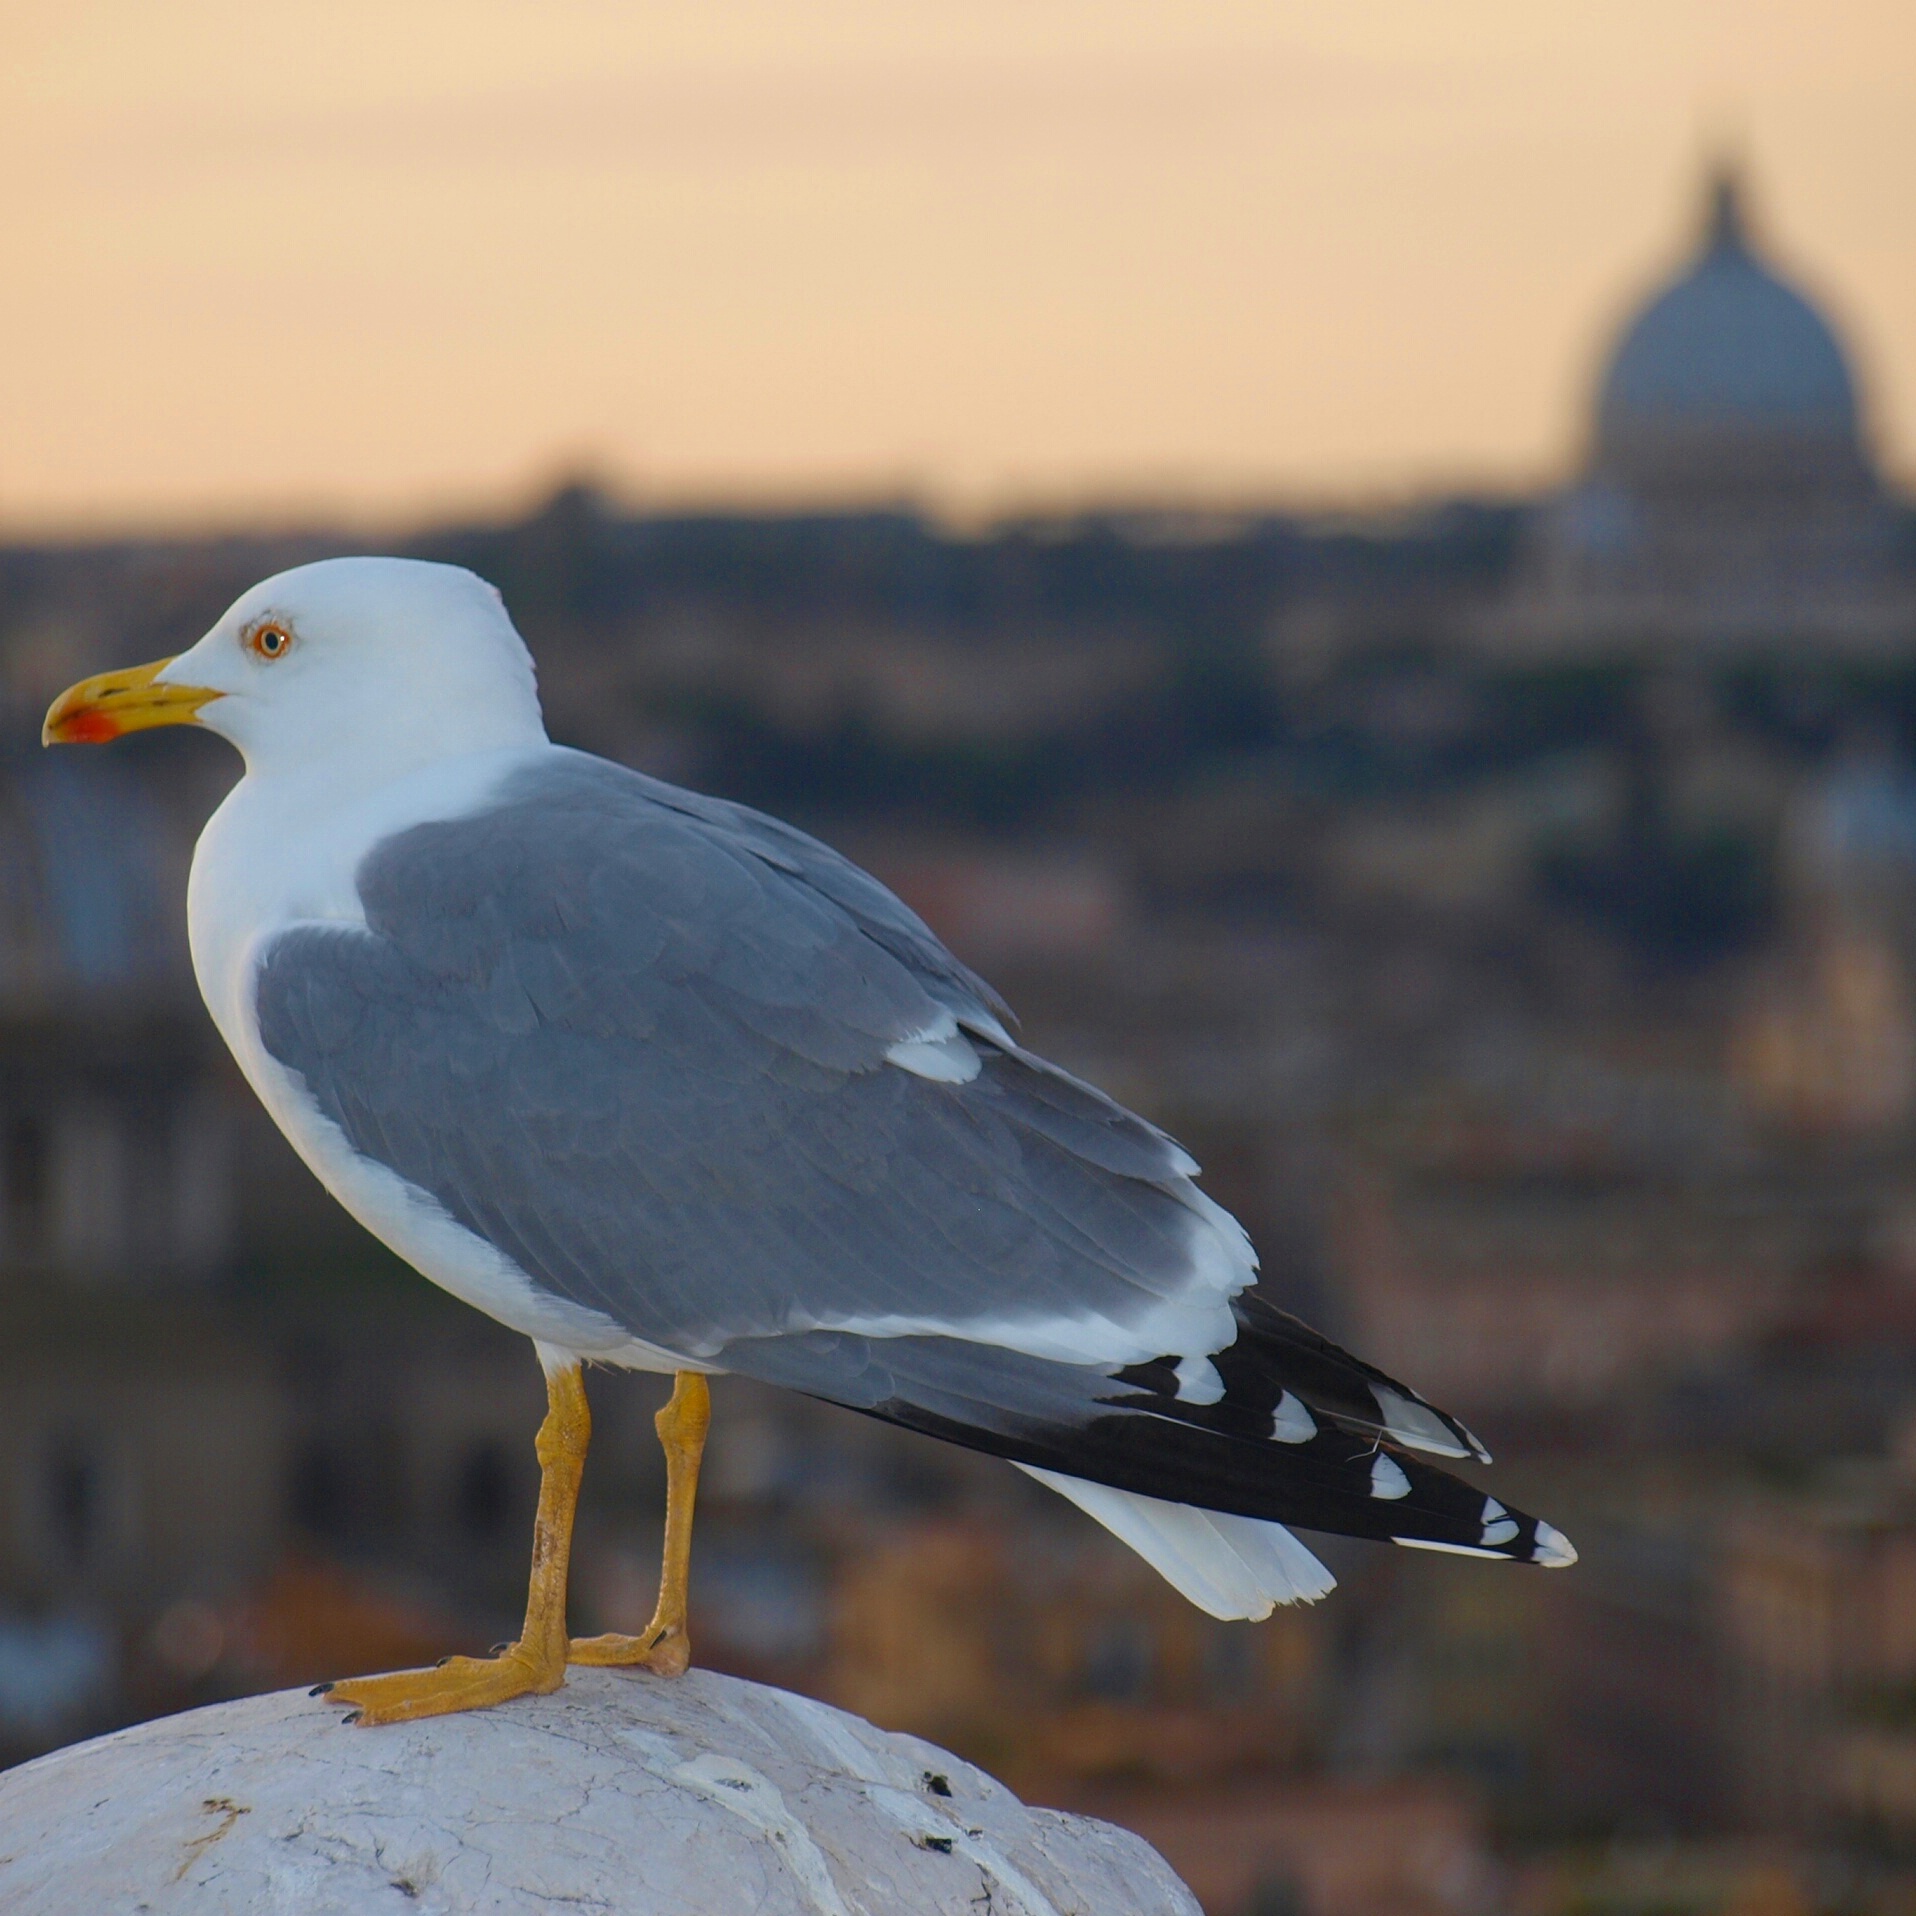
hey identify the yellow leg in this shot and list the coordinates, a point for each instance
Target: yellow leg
(663, 1645)
(535, 1665)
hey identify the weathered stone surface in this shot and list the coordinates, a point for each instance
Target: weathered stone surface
(623, 1793)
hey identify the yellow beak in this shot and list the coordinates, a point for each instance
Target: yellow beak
(103, 708)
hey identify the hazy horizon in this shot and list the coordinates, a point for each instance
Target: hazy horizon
(374, 266)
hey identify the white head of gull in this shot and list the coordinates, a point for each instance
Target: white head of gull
(358, 671)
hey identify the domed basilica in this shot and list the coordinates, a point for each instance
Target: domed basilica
(1729, 501)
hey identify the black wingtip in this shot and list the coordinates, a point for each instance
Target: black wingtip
(1551, 1548)
(1533, 1541)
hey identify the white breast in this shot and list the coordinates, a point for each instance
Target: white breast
(277, 855)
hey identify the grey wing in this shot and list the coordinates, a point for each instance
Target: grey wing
(879, 914)
(690, 1069)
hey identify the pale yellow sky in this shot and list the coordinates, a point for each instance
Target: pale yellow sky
(381, 257)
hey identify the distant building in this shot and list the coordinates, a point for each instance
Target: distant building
(1332, 1846)
(1521, 1286)
(1820, 1635)
(1047, 1654)
(1729, 501)
(1826, 1038)
(116, 1142)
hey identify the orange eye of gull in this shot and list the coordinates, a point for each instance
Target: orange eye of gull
(269, 641)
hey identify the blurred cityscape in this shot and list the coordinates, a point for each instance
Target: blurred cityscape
(1512, 902)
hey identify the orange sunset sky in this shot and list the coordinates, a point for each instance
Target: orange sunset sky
(378, 260)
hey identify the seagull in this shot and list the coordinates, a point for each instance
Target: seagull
(665, 1084)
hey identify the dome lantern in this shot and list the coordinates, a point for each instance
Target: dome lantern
(1726, 227)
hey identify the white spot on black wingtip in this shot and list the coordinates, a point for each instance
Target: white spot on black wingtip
(1416, 1425)
(1198, 1381)
(1552, 1548)
(1387, 1479)
(1500, 1527)
(1292, 1422)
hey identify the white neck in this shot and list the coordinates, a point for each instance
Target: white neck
(373, 749)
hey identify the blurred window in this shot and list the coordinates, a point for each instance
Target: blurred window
(26, 1174)
(73, 1501)
(1231, 1671)
(482, 1491)
(1118, 1660)
(54, 1670)
(1277, 1894)
(319, 1497)
(79, 1503)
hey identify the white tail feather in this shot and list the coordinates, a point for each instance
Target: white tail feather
(1229, 1566)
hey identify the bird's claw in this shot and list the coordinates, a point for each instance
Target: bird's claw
(663, 1648)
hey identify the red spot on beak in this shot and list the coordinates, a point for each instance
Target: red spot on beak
(88, 728)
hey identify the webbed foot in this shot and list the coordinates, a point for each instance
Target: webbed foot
(460, 1683)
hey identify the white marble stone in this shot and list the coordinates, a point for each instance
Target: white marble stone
(623, 1794)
